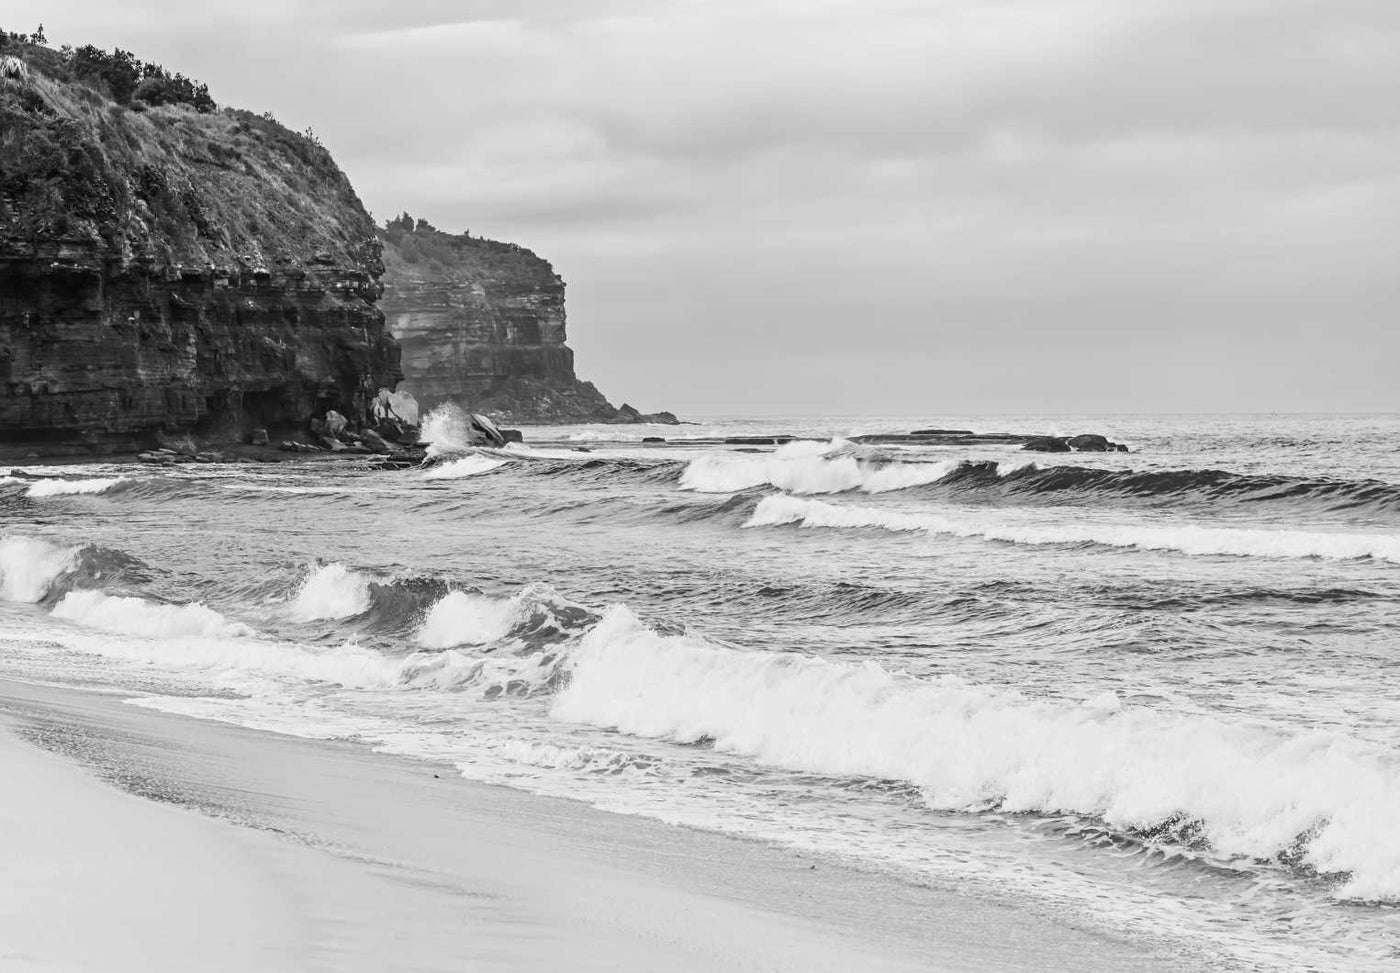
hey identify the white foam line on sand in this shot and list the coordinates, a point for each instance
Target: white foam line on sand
(391, 867)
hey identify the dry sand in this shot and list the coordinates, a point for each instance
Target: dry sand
(142, 841)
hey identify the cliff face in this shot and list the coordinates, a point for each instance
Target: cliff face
(481, 323)
(168, 270)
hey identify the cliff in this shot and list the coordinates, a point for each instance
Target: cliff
(482, 324)
(168, 268)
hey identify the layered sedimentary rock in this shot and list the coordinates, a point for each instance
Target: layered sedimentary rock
(168, 270)
(482, 325)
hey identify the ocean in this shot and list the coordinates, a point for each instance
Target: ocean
(1155, 692)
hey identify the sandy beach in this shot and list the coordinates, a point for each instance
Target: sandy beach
(136, 840)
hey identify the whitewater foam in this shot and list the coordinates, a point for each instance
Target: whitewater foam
(330, 593)
(460, 618)
(29, 567)
(807, 467)
(1321, 799)
(61, 487)
(1190, 539)
(537, 611)
(447, 431)
(462, 468)
(149, 619)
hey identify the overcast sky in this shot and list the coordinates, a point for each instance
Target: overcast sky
(874, 206)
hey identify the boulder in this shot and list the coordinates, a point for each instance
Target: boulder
(335, 423)
(396, 432)
(400, 406)
(941, 432)
(1089, 443)
(513, 435)
(182, 445)
(259, 437)
(1046, 444)
(483, 428)
(378, 443)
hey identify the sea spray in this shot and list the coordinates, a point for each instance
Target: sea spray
(447, 430)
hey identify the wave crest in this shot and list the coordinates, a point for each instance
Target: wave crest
(536, 616)
(1184, 538)
(331, 593)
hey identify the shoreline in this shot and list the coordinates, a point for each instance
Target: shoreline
(381, 862)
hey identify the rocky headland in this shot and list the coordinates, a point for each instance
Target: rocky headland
(169, 269)
(482, 325)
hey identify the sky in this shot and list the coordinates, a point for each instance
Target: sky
(873, 207)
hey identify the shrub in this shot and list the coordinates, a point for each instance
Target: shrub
(13, 69)
(130, 79)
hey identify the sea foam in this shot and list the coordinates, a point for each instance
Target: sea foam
(1320, 799)
(1183, 538)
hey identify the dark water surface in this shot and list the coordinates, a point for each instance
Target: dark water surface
(1157, 691)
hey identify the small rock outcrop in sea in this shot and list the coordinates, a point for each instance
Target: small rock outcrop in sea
(168, 266)
(1088, 443)
(482, 325)
(1046, 444)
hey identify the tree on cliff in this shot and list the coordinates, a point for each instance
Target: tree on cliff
(38, 36)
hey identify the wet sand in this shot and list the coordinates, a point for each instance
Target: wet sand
(138, 840)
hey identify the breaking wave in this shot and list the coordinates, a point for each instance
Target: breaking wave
(58, 487)
(537, 615)
(29, 567)
(807, 467)
(462, 468)
(1185, 538)
(330, 593)
(1319, 801)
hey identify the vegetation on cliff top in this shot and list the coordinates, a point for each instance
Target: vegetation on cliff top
(417, 251)
(152, 170)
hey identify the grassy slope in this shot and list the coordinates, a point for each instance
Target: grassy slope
(429, 255)
(168, 184)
